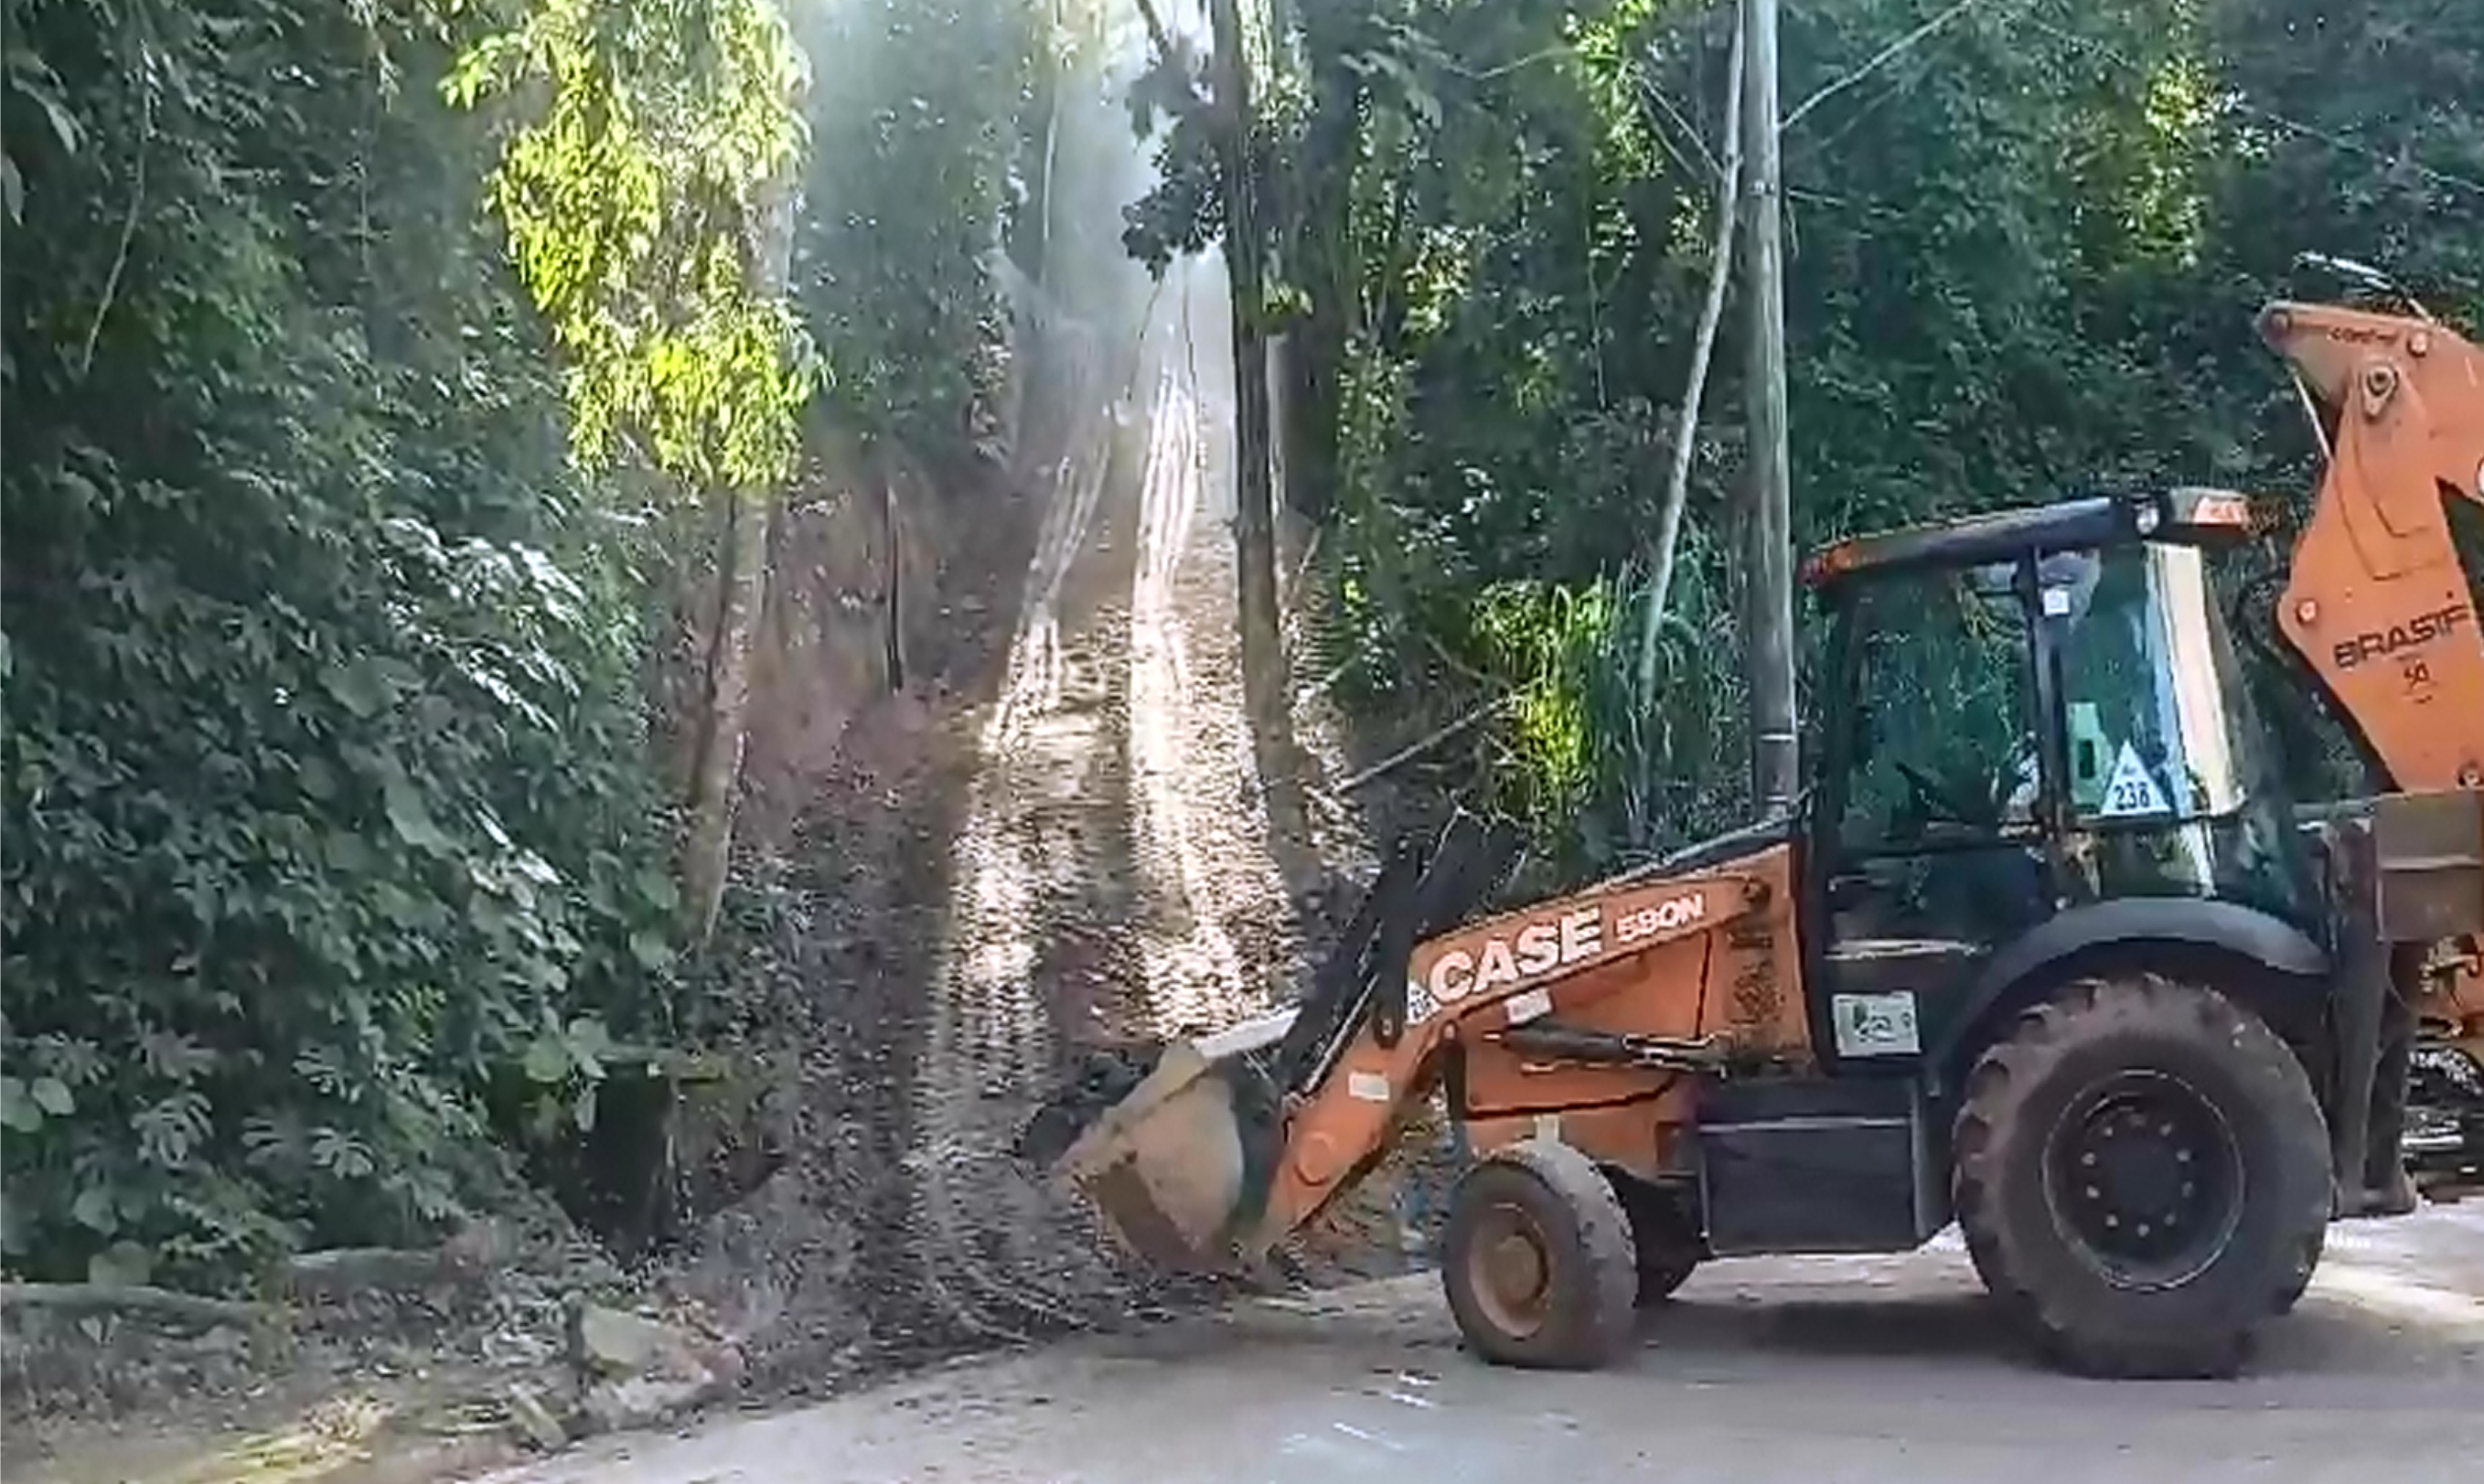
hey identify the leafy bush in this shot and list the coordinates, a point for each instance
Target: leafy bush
(325, 780)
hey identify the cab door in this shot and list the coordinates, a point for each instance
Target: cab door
(1927, 842)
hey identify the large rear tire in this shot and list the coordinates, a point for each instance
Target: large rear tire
(1538, 1263)
(2142, 1173)
(2291, 1291)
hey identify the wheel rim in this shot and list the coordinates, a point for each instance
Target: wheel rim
(1509, 1269)
(2145, 1176)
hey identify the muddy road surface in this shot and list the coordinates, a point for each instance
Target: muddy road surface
(1805, 1370)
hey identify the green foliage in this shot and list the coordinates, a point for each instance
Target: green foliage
(325, 779)
(336, 858)
(635, 197)
(914, 135)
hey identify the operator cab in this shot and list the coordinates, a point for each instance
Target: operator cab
(2025, 713)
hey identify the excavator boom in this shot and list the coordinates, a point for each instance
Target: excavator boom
(1233, 1141)
(2377, 600)
(2381, 607)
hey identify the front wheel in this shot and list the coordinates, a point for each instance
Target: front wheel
(2143, 1178)
(1537, 1260)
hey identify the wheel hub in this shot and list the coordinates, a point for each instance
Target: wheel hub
(1512, 1269)
(2145, 1174)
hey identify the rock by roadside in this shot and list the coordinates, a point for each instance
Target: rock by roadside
(635, 1370)
(355, 1360)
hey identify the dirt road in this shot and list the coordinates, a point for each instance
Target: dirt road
(1761, 1371)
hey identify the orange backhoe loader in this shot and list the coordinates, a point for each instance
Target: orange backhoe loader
(2044, 949)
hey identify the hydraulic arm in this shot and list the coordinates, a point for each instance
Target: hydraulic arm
(2380, 606)
(2377, 600)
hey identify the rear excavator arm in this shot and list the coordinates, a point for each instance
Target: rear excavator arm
(2377, 602)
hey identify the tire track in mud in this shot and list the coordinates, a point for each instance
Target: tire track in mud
(1194, 975)
(1001, 1257)
(1108, 844)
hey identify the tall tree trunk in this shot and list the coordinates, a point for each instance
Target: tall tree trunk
(1265, 690)
(1324, 175)
(741, 575)
(1702, 346)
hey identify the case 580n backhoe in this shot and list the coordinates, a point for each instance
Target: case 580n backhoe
(2044, 949)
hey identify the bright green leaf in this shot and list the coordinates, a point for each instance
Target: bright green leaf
(547, 1060)
(649, 948)
(588, 1036)
(411, 817)
(96, 1210)
(17, 1111)
(52, 1096)
(121, 1265)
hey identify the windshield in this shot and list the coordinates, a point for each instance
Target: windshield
(2169, 777)
(2160, 726)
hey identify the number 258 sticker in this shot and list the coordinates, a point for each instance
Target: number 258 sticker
(2132, 790)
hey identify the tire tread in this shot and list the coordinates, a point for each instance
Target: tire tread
(1984, 1131)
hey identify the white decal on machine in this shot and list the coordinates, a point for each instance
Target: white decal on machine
(1533, 1005)
(1539, 948)
(1665, 916)
(2132, 790)
(1875, 1024)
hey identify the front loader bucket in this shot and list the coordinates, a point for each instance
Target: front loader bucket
(1173, 1167)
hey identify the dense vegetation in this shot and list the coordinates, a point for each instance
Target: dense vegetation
(384, 384)
(371, 374)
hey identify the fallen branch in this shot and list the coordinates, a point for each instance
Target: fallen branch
(1322, 685)
(342, 1272)
(1302, 565)
(1421, 746)
(75, 1298)
(1703, 349)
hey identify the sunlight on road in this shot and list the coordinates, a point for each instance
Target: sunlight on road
(2417, 1302)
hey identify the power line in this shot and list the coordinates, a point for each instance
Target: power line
(2241, 104)
(1880, 59)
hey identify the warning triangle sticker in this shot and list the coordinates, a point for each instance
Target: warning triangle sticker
(2132, 790)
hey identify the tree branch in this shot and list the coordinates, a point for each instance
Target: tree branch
(1423, 745)
(129, 219)
(166, 1304)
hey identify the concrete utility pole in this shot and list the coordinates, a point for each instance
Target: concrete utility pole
(1768, 583)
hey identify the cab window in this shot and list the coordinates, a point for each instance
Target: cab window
(2149, 691)
(1942, 748)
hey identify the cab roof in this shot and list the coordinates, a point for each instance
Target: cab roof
(2196, 517)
